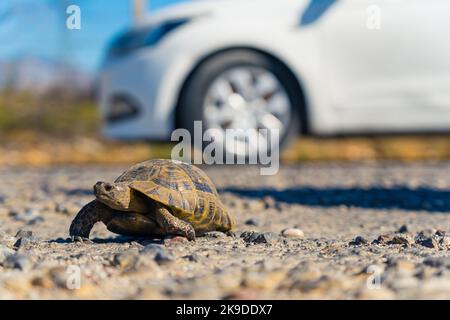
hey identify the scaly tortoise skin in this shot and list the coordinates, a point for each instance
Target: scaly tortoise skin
(155, 198)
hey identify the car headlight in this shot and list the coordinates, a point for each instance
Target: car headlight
(121, 107)
(143, 37)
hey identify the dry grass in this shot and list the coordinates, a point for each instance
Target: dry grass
(406, 148)
(60, 129)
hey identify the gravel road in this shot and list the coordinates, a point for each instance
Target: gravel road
(327, 231)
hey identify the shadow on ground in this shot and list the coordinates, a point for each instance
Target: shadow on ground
(398, 197)
(115, 239)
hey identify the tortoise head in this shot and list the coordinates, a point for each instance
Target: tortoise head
(115, 195)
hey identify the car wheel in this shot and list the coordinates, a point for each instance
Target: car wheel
(241, 90)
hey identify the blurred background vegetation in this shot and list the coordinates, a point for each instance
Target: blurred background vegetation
(48, 113)
(62, 128)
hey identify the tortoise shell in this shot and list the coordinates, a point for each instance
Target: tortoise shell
(184, 189)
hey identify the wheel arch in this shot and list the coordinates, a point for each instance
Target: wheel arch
(303, 107)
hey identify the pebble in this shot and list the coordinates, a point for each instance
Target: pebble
(437, 262)
(403, 229)
(215, 234)
(30, 216)
(403, 240)
(66, 209)
(257, 237)
(195, 257)
(427, 241)
(5, 252)
(359, 240)
(24, 234)
(253, 222)
(440, 233)
(35, 220)
(127, 260)
(54, 277)
(394, 239)
(175, 240)
(17, 261)
(269, 202)
(158, 253)
(293, 233)
(382, 239)
(21, 242)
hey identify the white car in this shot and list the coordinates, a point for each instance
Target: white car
(301, 66)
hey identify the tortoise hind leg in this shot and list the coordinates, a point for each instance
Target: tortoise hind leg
(89, 215)
(173, 225)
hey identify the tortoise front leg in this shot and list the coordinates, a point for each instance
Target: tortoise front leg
(173, 225)
(89, 215)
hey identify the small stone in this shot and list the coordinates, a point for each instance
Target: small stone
(42, 281)
(60, 208)
(402, 240)
(269, 202)
(27, 216)
(257, 237)
(175, 240)
(437, 262)
(23, 242)
(253, 222)
(126, 260)
(152, 248)
(195, 257)
(24, 234)
(427, 232)
(382, 239)
(54, 277)
(426, 241)
(429, 243)
(5, 252)
(293, 233)
(17, 261)
(215, 234)
(35, 220)
(158, 253)
(403, 229)
(440, 233)
(13, 213)
(359, 240)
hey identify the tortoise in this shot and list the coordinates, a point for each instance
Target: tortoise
(155, 198)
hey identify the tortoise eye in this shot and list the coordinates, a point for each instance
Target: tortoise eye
(108, 187)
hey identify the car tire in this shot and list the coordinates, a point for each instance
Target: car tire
(192, 98)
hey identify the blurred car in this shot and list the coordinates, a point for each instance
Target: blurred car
(300, 66)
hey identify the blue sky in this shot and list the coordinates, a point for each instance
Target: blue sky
(37, 28)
